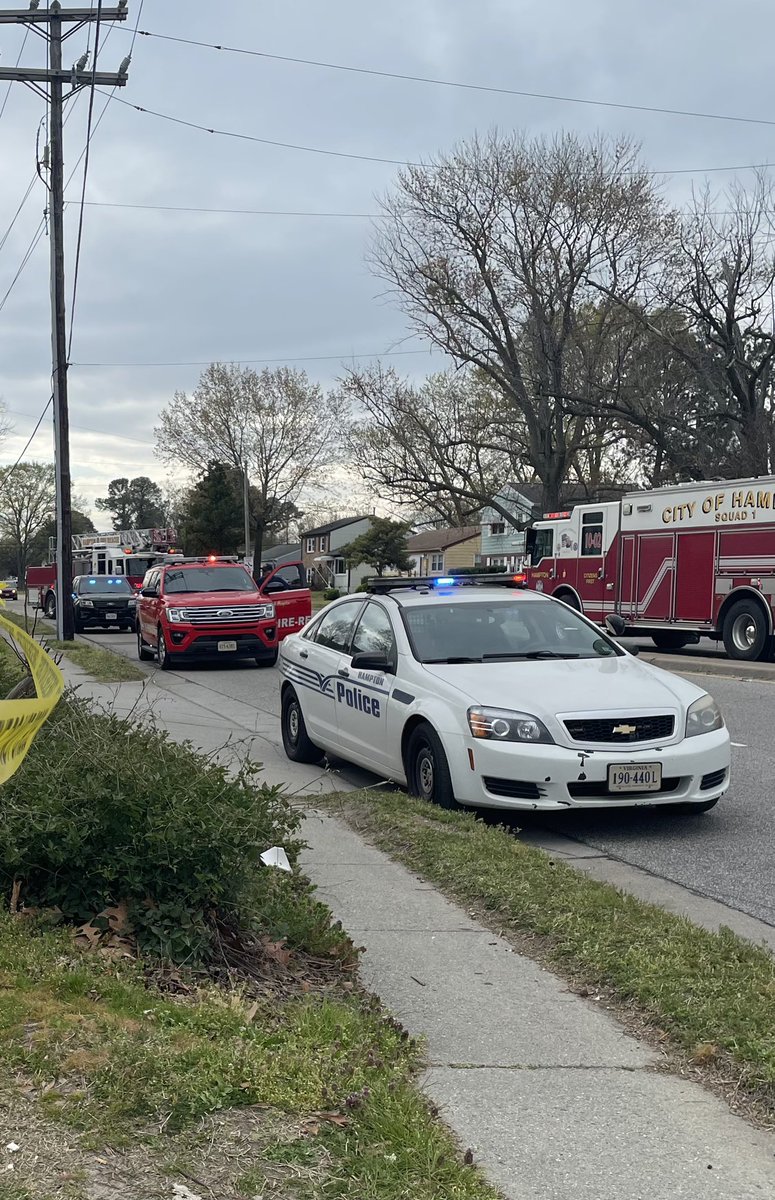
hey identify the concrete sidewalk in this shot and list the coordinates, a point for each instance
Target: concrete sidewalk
(555, 1100)
(553, 1097)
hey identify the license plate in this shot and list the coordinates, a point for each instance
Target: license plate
(111, 616)
(635, 777)
(227, 645)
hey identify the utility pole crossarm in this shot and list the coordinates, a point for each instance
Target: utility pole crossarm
(83, 78)
(41, 16)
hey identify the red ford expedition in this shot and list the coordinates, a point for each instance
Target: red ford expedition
(213, 608)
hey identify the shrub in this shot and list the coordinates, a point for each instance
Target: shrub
(104, 811)
(331, 594)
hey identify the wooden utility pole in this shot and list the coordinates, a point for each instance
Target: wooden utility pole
(48, 23)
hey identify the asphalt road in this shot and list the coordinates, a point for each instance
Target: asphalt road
(727, 854)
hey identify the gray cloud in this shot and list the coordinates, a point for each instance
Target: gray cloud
(162, 286)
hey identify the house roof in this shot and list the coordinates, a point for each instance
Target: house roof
(332, 525)
(440, 539)
(285, 550)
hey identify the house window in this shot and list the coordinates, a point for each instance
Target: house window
(340, 566)
(437, 564)
(323, 544)
(497, 527)
(310, 545)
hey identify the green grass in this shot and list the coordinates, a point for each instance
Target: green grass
(103, 665)
(111, 1059)
(713, 993)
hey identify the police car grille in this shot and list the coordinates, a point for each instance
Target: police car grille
(246, 614)
(621, 729)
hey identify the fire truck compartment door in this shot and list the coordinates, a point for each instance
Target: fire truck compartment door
(695, 576)
(656, 568)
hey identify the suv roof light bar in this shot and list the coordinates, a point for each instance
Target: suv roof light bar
(379, 585)
(202, 558)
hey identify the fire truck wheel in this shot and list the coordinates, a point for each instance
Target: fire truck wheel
(166, 661)
(569, 598)
(51, 606)
(668, 640)
(296, 743)
(144, 653)
(745, 631)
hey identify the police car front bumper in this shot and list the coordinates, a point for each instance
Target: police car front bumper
(556, 778)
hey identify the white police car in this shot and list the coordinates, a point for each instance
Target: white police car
(490, 695)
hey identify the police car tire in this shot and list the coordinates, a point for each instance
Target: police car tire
(296, 742)
(427, 768)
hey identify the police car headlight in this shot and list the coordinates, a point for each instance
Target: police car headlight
(503, 725)
(703, 717)
(85, 603)
(176, 615)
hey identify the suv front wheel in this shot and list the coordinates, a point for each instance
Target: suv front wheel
(162, 653)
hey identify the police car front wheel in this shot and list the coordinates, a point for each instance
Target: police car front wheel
(296, 742)
(427, 768)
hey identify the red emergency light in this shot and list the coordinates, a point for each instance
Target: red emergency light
(558, 516)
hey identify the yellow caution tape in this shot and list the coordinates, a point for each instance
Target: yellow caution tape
(20, 720)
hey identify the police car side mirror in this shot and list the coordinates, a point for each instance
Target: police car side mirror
(615, 624)
(372, 662)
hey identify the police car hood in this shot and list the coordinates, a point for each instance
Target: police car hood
(550, 686)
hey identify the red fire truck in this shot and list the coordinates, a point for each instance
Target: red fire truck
(678, 563)
(128, 552)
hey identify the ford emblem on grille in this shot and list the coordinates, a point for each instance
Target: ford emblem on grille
(225, 612)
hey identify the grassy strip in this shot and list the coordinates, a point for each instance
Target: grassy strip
(115, 1062)
(713, 993)
(104, 665)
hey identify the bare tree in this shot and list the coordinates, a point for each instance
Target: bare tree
(435, 448)
(5, 423)
(495, 251)
(26, 502)
(728, 263)
(277, 425)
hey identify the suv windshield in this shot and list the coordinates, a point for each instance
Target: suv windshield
(504, 630)
(208, 579)
(101, 585)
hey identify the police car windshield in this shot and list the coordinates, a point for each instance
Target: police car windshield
(208, 579)
(100, 585)
(507, 630)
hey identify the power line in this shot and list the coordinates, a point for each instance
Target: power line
(451, 83)
(253, 212)
(124, 437)
(18, 60)
(247, 137)
(205, 362)
(293, 212)
(396, 162)
(31, 438)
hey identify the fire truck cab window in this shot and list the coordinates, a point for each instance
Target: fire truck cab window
(543, 546)
(592, 534)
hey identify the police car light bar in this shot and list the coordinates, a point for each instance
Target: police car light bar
(380, 585)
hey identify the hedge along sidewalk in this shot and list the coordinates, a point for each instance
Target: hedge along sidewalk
(711, 995)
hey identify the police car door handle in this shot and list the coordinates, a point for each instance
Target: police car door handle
(344, 672)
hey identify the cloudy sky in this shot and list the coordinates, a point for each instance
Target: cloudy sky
(163, 286)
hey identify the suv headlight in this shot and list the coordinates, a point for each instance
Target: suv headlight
(82, 603)
(176, 615)
(703, 717)
(265, 611)
(504, 725)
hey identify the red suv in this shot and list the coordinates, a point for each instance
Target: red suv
(213, 608)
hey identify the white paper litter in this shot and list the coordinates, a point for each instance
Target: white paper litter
(12, 1147)
(276, 857)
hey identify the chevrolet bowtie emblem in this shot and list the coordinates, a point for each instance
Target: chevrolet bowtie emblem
(625, 729)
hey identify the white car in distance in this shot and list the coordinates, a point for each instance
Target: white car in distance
(476, 692)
